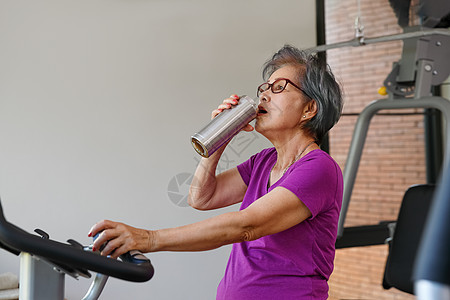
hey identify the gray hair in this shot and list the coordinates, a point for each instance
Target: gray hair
(317, 81)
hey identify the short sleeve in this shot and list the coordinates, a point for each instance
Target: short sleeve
(247, 168)
(315, 180)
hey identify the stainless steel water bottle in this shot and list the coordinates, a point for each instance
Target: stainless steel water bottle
(224, 126)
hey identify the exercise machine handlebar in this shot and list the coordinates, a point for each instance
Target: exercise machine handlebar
(68, 256)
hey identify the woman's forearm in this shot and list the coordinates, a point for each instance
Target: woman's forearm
(204, 235)
(203, 183)
(116, 238)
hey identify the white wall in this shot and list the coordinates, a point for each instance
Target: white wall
(98, 100)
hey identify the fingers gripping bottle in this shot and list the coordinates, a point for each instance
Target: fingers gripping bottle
(224, 126)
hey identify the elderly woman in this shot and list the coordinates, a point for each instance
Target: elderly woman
(283, 236)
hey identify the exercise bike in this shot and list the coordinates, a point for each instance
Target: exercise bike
(45, 262)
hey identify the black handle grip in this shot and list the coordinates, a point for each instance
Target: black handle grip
(134, 257)
(15, 239)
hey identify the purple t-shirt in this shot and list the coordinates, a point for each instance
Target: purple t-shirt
(295, 263)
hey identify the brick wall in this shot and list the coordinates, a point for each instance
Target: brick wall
(393, 157)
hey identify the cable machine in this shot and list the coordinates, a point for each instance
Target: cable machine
(425, 62)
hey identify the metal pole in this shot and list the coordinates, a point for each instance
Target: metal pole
(360, 134)
(381, 39)
(39, 280)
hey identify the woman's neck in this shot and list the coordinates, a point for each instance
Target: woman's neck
(292, 149)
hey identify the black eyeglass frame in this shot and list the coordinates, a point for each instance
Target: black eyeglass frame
(270, 86)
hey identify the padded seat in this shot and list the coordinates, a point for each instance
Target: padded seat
(405, 241)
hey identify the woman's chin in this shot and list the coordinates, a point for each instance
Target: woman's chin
(260, 128)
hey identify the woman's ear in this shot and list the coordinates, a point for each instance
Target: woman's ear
(310, 110)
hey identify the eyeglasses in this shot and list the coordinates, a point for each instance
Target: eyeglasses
(277, 87)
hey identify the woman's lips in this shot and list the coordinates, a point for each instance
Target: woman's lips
(261, 111)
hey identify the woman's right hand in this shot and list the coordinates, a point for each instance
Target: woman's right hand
(119, 238)
(228, 104)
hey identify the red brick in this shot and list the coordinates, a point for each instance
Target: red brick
(393, 157)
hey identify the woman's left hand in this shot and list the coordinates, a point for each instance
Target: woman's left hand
(120, 238)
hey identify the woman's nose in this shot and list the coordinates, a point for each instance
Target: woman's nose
(264, 97)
